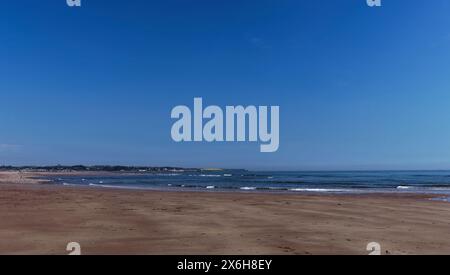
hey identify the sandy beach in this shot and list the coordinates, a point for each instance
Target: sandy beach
(43, 218)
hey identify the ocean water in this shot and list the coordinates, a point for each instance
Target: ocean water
(433, 182)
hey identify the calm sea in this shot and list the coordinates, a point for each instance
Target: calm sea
(325, 182)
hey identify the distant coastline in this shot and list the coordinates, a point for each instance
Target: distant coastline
(108, 168)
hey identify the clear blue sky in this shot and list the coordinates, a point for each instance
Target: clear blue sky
(358, 87)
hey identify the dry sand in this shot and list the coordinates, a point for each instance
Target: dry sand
(43, 218)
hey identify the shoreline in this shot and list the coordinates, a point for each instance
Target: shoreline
(38, 179)
(51, 178)
(33, 178)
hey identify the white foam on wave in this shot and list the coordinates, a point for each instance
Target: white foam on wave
(68, 184)
(210, 187)
(404, 187)
(248, 188)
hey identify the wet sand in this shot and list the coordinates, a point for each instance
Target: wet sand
(43, 218)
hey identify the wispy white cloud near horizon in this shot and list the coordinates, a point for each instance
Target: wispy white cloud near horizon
(9, 147)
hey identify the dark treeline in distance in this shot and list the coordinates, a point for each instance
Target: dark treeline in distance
(97, 168)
